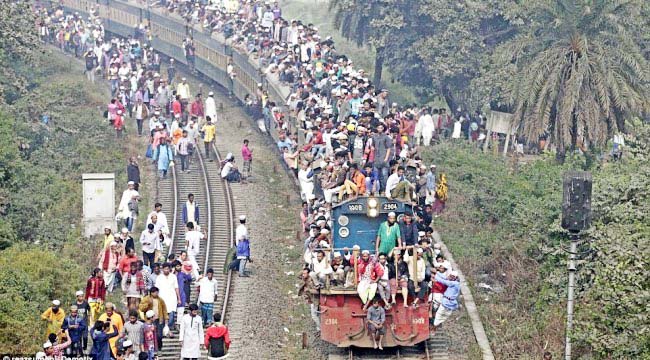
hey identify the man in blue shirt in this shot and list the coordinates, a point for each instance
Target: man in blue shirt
(449, 298)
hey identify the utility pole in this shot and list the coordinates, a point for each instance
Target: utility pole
(570, 293)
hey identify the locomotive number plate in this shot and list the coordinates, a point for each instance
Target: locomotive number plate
(332, 321)
(355, 207)
(389, 206)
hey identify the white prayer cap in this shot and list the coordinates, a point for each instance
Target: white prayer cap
(324, 244)
(365, 252)
(391, 214)
(210, 93)
(446, 264)
(420, 251)
(150, 314)
(56, 302)
(437, 246)
(453, 273)
(421, 233)
(127, 343)
(242, 217)
(125, 230)
(79, 293)
(183, 79)
(356, 247)
(324, 231)
(131, 183)
(337, 254)
(47, 345)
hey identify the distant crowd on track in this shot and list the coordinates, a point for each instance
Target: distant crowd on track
(338, 134)
(155, 286)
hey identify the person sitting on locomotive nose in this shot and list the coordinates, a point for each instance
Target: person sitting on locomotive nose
(368, 273)
(376, 320)
(388, 236)
(319, 269)
(416, 285)
(338, 269)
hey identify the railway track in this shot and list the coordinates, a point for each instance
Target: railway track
(216, 210)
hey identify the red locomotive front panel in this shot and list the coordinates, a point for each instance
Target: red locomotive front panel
(343, 322)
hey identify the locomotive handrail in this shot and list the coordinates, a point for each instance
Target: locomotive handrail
(363, 329)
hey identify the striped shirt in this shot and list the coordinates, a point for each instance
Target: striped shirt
(134, 332)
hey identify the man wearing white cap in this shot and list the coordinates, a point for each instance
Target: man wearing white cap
(123, 211)
(241, 232)
(388, 236)
(211, 107)
(449, 298)
(183, 90)
(54, 317)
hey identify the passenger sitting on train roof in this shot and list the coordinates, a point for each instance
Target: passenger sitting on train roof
(398, 187)
(416, 285)
(376, 319)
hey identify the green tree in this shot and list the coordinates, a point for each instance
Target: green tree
(576, 69)
(18, 42)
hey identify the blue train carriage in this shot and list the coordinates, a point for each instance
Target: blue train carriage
(356, 221)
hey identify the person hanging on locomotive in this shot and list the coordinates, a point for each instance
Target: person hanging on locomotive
(376, 318)
(383, 284)
(408, 229)
(388, 236)
(417, 286)
(449, 298)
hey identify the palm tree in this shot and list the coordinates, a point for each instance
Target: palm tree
(579, 70)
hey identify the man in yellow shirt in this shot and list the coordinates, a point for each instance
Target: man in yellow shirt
(115, 320)
(209, 131)
(54, 317)
(108, 236)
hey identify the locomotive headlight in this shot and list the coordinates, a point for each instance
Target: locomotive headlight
(372, 203)
(343, 220)
(344, 232)
(373, 212)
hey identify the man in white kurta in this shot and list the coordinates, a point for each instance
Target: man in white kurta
(191, 334)
(123, 211)
(167, 284)
(211, 107)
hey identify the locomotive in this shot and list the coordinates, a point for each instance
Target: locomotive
(343, 321)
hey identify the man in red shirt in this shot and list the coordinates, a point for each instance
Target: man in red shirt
(177, 108)
(247, 155)
(118, 124)
(217, 338)
(196, 109)
(125, 263)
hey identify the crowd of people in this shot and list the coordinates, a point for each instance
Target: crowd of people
(156, 299)
(339, 135)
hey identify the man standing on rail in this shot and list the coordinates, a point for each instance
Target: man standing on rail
(449, 298)
(209, 131)
(190, 211)
(207, 289)
(211, 107)
(193, 240)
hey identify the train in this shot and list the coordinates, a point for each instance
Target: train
(355, 221)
